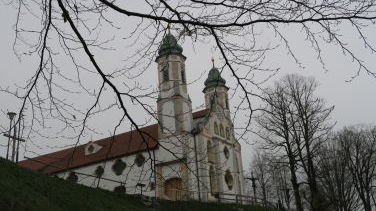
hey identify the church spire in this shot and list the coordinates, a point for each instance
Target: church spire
(169, 44)
(215, 89)
(214, 78)
(174, 104)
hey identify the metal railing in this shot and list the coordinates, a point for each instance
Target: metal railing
(242, 199)
(183, 195)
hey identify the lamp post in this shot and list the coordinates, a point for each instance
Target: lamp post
(19, 136)
(11, 115)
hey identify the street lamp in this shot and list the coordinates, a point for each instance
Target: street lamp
(11, 116)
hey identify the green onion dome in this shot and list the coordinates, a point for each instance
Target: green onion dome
(169, 45)
(214, 79)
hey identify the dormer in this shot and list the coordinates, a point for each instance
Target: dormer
(92, 148)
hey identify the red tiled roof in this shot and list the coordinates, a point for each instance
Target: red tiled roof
(200, 113)
(122, 144)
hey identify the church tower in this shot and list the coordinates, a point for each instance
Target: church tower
(174, 104)
(216, 90)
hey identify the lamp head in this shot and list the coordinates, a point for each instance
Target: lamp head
(11, 115)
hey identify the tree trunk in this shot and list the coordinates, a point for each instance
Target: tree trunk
(295, 186)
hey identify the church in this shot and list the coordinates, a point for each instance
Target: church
(185, 156)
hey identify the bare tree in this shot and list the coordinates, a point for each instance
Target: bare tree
(295, 123)
(335, 176)
(273, 178)
(281, 180)
(276, 131)
(75, 28)
(261, 170)
(359, 146)
(311, 128)
(69, 40)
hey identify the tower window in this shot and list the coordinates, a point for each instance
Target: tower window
(166, 76)
(227, 106)
(211, 101)
(161, 126)
(215, 128)
(226, 152)
(221, 131)
(183, 74)
(227, 133)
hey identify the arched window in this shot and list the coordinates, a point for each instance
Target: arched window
(173, 188)
(183, 74)
(213, 180)
(226, 152)
(229, 179)
(165, 73)
(221, 130)
(227, 133)
(215, 128)
(210, 150)
(227, 106)
(212, 101)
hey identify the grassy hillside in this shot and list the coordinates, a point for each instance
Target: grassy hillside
(21, 189)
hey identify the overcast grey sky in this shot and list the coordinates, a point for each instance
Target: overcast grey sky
(354, 101)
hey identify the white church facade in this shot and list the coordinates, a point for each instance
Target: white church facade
(186, 155)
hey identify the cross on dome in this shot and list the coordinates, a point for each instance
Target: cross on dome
(214, 77)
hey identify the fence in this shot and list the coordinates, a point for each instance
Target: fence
(242, 199)
(183, 195)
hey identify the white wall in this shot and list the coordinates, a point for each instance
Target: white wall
(131, 175)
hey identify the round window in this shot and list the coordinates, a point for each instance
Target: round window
(139, 161)
(90, 149)
(119, 167)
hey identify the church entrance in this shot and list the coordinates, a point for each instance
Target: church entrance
(173, 189)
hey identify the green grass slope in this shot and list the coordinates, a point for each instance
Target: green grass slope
(22, 189)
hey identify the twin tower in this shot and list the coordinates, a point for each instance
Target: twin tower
(174, 103)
